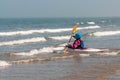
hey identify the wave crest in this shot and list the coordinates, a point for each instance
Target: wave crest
(18, 42)
(43, 31)
(4, 64)
(105, 33)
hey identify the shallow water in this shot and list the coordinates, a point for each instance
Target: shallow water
(77, 68)
(115, 76)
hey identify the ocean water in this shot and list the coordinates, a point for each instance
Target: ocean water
(31, 40)
(22, 35)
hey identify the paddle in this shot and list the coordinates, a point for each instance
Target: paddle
(73, 31)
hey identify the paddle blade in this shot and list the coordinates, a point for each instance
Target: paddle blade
(74, 28)
(65, 51)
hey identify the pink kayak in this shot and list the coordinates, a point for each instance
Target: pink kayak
(87, 50)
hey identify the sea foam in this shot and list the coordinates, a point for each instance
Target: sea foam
(106, 33)
(4, 64)
(59, 37)
(44, 50)
(18, 42)
(91, 22)
(27, 32)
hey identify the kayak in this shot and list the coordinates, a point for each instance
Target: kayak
(87, 50)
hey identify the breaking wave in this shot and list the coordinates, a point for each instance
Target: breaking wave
(105, 33)
(44, 50)
(59, 38)
(4, 64)
(43, 31)
(18, 42)
(90, 22)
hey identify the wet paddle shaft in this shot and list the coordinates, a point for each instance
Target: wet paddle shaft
(73, 31)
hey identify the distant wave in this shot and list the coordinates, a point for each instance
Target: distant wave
(105, 33)
(87, 22)
(43, 31)
(18, 42)
(89, 27)
(90, 22)
(59, 37)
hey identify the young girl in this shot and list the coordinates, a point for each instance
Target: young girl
(78, 43)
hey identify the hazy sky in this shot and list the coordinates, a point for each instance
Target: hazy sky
(59, 8)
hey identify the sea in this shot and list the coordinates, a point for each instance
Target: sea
(28, 45)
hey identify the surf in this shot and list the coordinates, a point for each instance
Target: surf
(4, 64)
(67, 56)
(105, 33)
(22, 41)
(28, 32)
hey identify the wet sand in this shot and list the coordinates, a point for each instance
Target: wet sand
(76, 68)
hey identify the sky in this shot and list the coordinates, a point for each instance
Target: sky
(59, 8)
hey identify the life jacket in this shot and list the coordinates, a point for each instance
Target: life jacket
(78, 44)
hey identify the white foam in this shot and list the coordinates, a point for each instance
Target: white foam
(43, 31)
(35, 51)
(91, 22)
(60, 37)
(17, 42)
(106, 33)
(45, 50)
(33, 31)
(81, 22)
(4, 64)
(89, 27)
